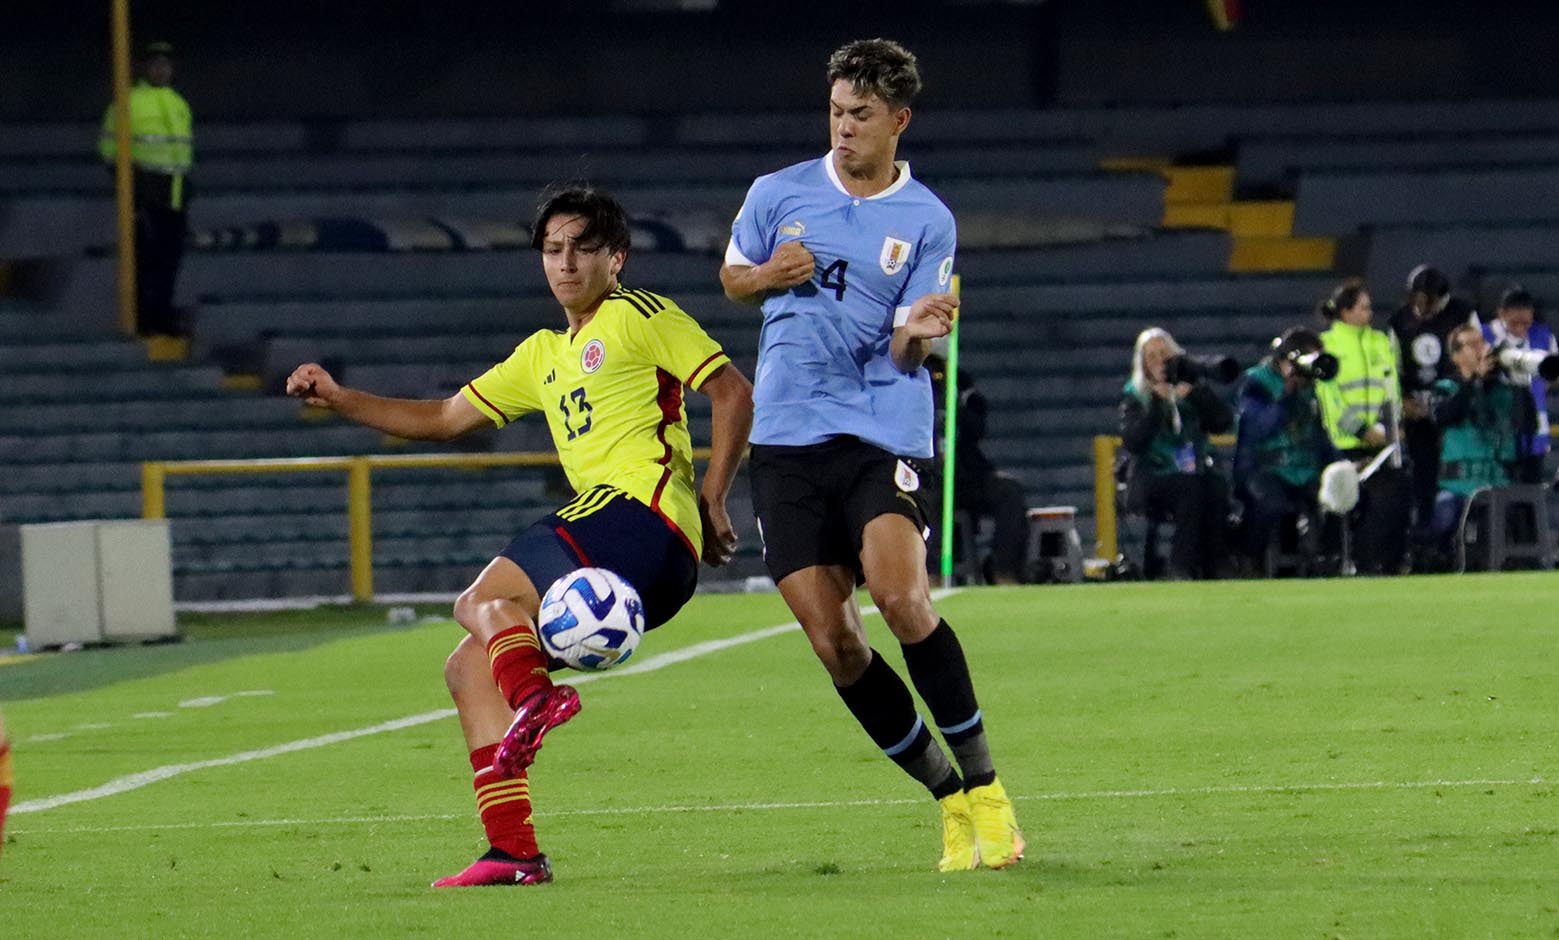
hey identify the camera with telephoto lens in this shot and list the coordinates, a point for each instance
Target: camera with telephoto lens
(1522, 364)
(1192, 369)
(1317, 366)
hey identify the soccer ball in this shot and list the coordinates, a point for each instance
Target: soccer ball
(591, 619)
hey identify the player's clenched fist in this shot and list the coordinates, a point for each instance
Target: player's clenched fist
(932, 316)
(791, 264)
(313, 384)
(719, 533)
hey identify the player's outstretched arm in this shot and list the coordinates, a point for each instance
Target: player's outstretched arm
(930, 317)
(791, 264)
(403, 417)
(730, 394)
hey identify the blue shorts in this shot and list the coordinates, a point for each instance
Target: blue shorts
(604, 527)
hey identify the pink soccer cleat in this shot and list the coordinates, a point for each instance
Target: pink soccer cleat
(537, 715)
(495, 868)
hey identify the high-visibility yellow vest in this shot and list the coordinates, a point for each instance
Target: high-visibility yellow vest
(161, 135)
(1366, 391)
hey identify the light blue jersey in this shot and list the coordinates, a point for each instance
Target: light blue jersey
(823, 365)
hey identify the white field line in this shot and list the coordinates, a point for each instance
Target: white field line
(1164, 793)
(168, 771)
(203, 702)
(136, 781)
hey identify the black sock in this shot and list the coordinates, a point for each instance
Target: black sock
(980, 780)
(941, 676)
(881, 702)
(494, 854)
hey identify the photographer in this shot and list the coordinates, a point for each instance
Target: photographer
(1475, 412)
(1362, 409)
(1166, 414)
(1527, 352)
(1282, 444)
(1420, 327)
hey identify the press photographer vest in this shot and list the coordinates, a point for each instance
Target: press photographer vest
(1476, 451)
(1291, 453)
(1185, 451)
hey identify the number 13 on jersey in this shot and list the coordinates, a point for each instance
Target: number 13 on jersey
(581, 411)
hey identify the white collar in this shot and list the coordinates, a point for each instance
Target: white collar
(895, 186)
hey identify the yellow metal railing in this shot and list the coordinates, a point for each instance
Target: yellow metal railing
(154, 476)
(1104, 523)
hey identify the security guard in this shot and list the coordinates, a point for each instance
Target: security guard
(162, 149)
(1362, 408)
(1420, 327)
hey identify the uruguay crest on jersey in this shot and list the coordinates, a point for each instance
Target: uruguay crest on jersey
(895, 254)
(907, 231)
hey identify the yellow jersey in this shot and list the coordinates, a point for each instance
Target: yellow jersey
(612, 394)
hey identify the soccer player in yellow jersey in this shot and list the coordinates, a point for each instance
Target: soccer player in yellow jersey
(610, 386)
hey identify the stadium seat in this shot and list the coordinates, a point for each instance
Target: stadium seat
(1063, 263)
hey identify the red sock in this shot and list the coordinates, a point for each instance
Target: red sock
(5, 785)
(518, 663)
(504, 805)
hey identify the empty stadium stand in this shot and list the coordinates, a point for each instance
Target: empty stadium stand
(394, 252)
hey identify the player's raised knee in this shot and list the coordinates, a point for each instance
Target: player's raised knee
(482, 614)
(466, 667)
(465, 607)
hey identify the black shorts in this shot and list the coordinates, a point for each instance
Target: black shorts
(604, 527)
(813, 502)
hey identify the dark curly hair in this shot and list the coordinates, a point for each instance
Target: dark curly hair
(880, 67)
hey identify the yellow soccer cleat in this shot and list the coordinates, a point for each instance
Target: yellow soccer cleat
(998, 841)
(959, 850)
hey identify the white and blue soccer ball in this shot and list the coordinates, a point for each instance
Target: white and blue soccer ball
(591, 619)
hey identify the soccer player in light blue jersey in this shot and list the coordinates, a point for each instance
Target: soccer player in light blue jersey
(851, 259)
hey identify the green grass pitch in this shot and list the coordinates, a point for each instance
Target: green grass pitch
(1317, 759)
